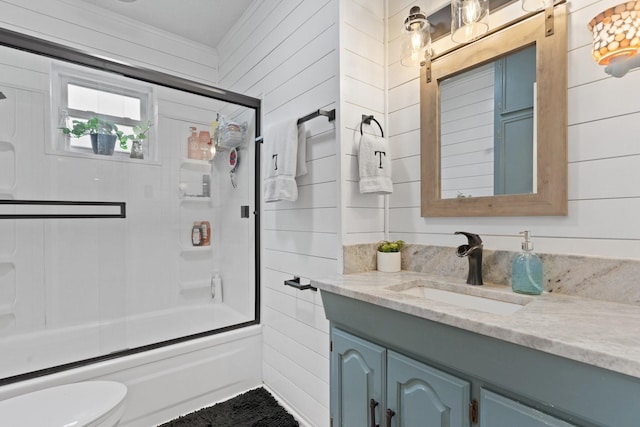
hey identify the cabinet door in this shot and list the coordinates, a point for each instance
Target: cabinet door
(499, 411)
(357, 372)
(420, 395)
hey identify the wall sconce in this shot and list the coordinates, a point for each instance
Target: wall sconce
(536, 5)
(417, 38)
(469, 20)
(2, 96)
(616, 38)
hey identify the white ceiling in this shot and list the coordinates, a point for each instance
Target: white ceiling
(203, 21)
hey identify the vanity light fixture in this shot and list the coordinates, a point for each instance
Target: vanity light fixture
(616, 38)
(416, 44)
(469, 20)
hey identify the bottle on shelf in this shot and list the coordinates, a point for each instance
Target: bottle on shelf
(206, 185)
(216, 287)
(204, 139)
(205, 233)
(196, 234)
(193, 146)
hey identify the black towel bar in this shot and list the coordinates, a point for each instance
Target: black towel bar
(295, 283)
(366, 119)
(331, 115)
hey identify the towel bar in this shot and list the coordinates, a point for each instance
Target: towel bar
(331, 115)
(295, 283)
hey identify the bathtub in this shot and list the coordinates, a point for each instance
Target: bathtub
(163, 382)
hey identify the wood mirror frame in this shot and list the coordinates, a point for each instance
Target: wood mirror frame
(551, 115)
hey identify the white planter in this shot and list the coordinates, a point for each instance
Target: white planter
(389, 262)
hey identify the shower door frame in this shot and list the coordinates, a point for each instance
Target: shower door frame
(64, 53)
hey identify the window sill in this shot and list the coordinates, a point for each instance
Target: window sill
(116, 157)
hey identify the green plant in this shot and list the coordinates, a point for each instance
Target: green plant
(386, 246)
(139, 133)
(94, 125)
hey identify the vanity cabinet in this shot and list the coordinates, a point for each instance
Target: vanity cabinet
(432, 374)
(372, 385)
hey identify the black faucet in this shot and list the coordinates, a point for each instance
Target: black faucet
(473, 251)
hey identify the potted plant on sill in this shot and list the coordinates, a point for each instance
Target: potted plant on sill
(389, 257)
(103, 134)
(139, 134)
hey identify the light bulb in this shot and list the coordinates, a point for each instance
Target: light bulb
(416, 40)
(470, 11)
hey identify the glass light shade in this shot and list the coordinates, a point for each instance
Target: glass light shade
(616, 32)
(469, 20)
(416, 38)
(535, 5)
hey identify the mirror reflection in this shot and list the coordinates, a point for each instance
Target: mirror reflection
(487, 128)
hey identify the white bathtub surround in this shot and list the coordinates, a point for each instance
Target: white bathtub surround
(598, 333)
(170, 381)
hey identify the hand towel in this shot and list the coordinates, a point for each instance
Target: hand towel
(374, 163)
(280, 160)
(301, 165)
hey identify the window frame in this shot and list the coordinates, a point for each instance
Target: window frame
(64, 74)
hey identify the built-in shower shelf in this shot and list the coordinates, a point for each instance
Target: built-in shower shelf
(196, 199)
(195, 164)
(196, 249)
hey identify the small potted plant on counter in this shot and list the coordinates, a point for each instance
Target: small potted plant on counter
(103, 134)
(389, 257)
(139, 134)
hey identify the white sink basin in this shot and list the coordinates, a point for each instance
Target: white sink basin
(475, 298)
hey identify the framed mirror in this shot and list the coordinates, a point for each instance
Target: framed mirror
(494, 124)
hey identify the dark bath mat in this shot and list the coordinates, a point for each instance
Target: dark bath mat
(255, 408)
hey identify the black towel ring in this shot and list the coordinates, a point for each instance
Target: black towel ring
(367, 120)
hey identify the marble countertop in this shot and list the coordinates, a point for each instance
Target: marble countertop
(599, 333)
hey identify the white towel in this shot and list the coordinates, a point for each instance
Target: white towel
(280, 160)
(301, 165)
(374, 161)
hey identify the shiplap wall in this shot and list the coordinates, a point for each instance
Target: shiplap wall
(604, 155)
(362, 71)
(286, 52)
(92, 29)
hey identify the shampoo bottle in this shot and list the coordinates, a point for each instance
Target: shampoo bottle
(193, 146)
(526, 272)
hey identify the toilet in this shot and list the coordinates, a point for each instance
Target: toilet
(83, 404)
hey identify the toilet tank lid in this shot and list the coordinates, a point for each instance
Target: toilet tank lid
(69, 404)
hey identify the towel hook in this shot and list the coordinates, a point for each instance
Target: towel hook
(367, 120)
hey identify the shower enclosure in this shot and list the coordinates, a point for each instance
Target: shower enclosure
(106, 255)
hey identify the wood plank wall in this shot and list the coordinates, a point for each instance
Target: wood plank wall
(92, 29)
(604, 155)
(286, 52)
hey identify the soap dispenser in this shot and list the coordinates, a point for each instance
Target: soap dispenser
(526, 271)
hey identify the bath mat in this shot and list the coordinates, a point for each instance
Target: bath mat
(255, 408)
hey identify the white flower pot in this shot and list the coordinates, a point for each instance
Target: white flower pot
(389, 262)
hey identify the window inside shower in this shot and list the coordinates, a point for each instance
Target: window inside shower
(104, 255)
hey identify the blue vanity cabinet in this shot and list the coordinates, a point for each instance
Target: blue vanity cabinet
(419, 395)
(358, 369)
(374, 386)
(498, 410)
